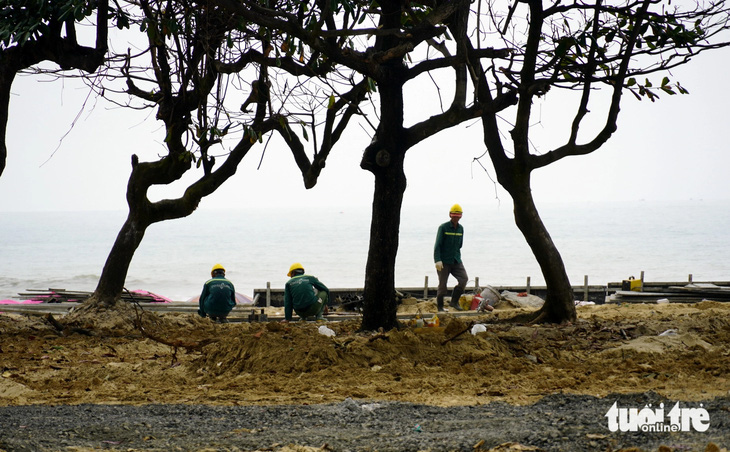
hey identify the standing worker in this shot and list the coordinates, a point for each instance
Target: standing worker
(447, 255)
(218, 297)
(304, 294)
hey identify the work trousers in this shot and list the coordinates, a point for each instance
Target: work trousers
(315, 309)
(458, 271)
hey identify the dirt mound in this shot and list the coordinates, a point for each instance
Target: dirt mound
(676, 350)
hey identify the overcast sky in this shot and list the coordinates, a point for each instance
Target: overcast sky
(64, 155)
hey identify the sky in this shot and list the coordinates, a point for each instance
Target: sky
(68, 151)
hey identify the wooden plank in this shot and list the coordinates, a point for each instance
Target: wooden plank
(596, 293)
(239, 313)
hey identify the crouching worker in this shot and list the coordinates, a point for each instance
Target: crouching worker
(304, 294)
(218, 297)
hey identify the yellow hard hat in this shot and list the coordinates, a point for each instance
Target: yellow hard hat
(217, 267)
(294, 266)
(456, 209)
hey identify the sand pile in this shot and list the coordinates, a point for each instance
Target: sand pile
(676, 350)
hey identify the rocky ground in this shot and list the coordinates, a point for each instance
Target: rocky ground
(131, 381)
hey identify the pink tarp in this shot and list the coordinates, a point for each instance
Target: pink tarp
(43, 298)
(20, 301)
(156, 298)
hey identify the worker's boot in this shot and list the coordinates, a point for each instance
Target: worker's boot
(440, 303)
(455, 295)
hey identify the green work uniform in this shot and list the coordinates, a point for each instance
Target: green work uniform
(218, 297)
(448, 244)
(305, 295)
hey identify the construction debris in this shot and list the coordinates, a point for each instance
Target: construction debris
(261, 317)
(67, 296)
(690, 293)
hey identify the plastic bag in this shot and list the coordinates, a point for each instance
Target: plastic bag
(324, 330)
(478, 328)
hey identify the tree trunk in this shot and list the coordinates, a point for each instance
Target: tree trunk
(379, 310)
(114, 274)
(559, 305)
(384, 158)
(7, 75)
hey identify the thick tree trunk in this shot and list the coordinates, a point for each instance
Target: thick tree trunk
(559, 305)
(114, 274)
(379, 297)
(384, 158)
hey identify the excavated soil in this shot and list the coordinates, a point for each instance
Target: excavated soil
(676, 352)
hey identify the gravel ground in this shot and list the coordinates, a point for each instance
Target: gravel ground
(556, 423)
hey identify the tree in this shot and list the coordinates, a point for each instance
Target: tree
(203, 62)
(384, 46)
(32, 32)
(190, 50)
(575, 47)
(183, 77)
(580, 47)
(183, 83)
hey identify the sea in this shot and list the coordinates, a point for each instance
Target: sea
(600, 242)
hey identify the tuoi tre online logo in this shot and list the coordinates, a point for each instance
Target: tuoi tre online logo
(655, 420)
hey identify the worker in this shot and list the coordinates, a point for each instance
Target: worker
(304, 294)
(447, 255)
(218, 297)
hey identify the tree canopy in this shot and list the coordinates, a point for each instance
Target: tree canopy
(582, 47)
(36, 31)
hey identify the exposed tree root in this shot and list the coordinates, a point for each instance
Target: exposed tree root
(466, 328)
(65, 330)
(540, 317)
(176, 344)
(92, 310)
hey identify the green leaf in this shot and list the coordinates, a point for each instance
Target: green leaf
(122, 22)
(331, 102)
(563, 47)
(372, 86)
